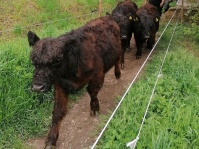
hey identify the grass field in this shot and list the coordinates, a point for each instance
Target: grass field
(172, 117)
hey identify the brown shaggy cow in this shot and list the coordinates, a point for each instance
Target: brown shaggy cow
(73, 60)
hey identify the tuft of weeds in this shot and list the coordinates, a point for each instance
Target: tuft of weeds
(17, 30)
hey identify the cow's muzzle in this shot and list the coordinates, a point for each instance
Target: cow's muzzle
(38, 88)
(146, 35)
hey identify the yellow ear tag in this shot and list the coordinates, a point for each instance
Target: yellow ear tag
(156, 20)
(130, 18)
(136, 19)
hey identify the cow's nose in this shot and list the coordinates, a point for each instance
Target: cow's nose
(123, 37)
(38, 88)
(147, 35)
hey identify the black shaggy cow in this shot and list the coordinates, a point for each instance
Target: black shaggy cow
(73, 60)
(123, 14)
(146, 25)
(158, 4)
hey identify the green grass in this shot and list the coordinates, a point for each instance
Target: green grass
(21, 115)
(173, 118)
(24, 114)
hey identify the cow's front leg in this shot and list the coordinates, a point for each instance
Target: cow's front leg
(124, 46)
(93, 89)
(139, 50)
(151, 41)
(139, 44)
(59, 112)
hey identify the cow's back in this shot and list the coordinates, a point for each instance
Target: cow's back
(125, 8)
(92, 48)
(148, 9)
(103, 41)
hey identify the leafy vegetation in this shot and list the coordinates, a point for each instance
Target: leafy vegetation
(193, 14)
(24, 114)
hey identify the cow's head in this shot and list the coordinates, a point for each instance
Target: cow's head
(123, 22)
(144, 25)
(46, 57)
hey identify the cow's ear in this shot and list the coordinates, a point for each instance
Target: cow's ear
(32, 38)
(135, 19)
(129, 16)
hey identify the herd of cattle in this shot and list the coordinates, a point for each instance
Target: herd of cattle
(83, 56)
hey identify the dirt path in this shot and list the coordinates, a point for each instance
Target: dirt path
(78, 126)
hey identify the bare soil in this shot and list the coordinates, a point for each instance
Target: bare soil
(78, 129)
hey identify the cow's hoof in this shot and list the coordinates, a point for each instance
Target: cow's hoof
(94, 113)
(117, 75)
(49, 146)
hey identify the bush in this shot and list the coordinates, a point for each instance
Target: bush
(193, 14)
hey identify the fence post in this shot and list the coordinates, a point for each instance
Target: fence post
(182, 11)
(100, 8)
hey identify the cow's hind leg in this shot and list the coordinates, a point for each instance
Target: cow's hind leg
(129, 41)
(139, 45)
(59, 112)
(139, 50)
(117, 69)
(93, 89)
